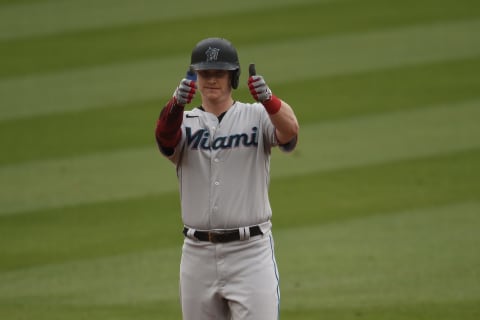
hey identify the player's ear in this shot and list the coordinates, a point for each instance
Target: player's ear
(235, 78)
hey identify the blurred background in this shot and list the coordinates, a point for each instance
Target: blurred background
(376, 214)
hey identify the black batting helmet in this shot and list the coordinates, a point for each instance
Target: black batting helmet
(216, 54)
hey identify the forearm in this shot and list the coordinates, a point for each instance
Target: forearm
(285, 123)
(167, 131)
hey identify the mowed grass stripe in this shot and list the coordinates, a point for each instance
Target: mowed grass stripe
(88, 231)
(311, 58)
(167, 310)
(97, 177)
(314, 100)
(58, 16)
(115, 279)
(74, 50)
(346, 193)
(116, 227)
(381, 91)
(327, 146)
(383, 138)
(465, 310)
(415, 257)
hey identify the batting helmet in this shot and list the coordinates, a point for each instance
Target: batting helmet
(216, 54)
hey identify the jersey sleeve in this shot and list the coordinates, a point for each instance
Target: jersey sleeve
(289, 146)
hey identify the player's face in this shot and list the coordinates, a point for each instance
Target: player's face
(214, 84)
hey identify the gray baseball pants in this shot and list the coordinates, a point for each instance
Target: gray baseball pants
(230, 281)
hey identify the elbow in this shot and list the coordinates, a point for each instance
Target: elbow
(293, 129)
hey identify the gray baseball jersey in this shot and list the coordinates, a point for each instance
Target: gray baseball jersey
(223, 167)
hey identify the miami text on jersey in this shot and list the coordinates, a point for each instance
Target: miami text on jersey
(201, 139)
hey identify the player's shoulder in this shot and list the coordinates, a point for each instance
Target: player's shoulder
(247, 104)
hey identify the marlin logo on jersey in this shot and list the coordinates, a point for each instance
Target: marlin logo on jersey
(201, 139)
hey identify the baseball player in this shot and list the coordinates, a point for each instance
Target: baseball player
(221, 150)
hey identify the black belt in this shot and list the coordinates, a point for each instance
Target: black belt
(223, 235)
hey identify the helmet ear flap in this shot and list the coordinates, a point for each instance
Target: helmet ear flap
(235, 78)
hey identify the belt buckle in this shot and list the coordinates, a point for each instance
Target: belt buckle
(212, 237)
(217, 236)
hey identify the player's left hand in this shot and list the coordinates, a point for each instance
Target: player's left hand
(259, 88)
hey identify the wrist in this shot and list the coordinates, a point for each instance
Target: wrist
(176, 103)
(272, 105)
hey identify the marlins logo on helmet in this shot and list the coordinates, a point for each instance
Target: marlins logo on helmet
(212, 54)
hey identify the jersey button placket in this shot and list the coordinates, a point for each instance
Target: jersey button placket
(215, 169)
(214, 166)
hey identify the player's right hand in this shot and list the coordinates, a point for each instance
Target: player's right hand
(184, 92)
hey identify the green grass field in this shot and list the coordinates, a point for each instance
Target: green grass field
(376, 214)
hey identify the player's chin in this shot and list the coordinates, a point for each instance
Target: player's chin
(211, 89)
(211, 92)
